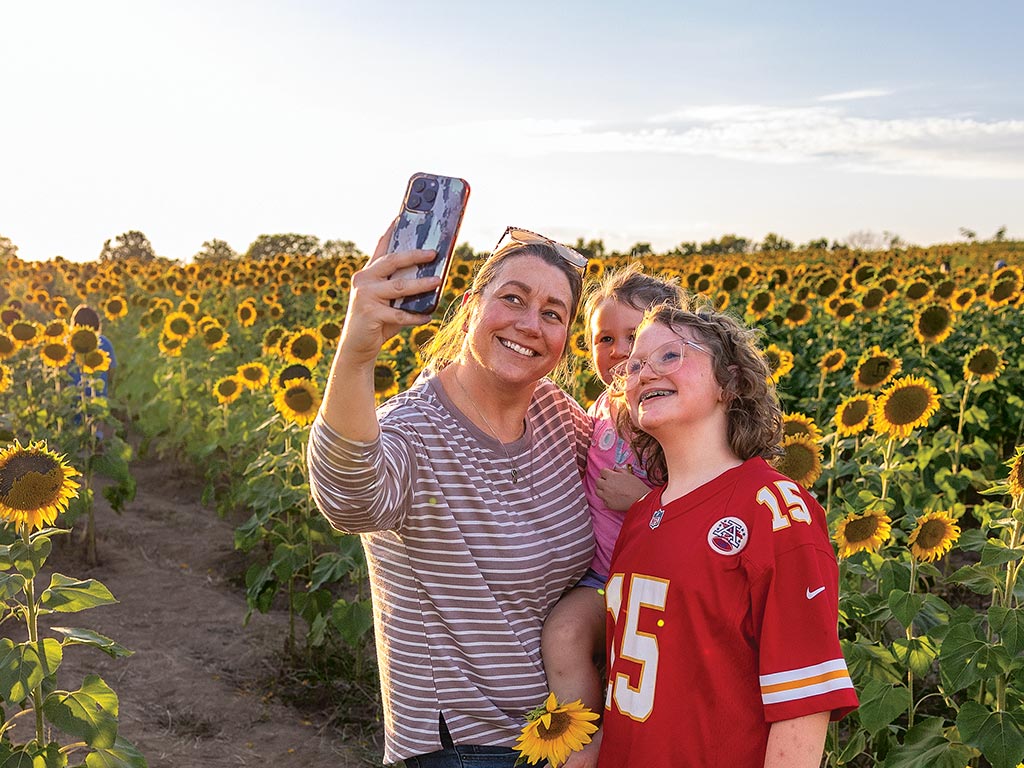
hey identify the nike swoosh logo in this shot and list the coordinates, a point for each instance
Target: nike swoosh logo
(815, 593)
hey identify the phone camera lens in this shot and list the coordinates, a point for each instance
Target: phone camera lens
(419, 185)
(430, 195)
(414, 202)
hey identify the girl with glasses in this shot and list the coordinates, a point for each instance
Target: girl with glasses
(467, 492)
(722, 596)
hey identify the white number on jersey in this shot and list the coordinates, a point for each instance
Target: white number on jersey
(634, 700)
(785, 503)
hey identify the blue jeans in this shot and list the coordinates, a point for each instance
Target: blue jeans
(465, 756)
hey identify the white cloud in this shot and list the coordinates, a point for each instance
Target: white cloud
(864, 93)
(824, 135)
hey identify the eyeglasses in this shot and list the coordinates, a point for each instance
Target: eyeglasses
(662, 361)
(526, 237)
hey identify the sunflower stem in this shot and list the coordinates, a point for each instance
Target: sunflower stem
(910, 637)
(886, 460)
(32, 620)
(960, 427)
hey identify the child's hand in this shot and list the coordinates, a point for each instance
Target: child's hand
(619, 488)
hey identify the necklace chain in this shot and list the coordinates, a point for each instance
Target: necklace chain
(511, 463)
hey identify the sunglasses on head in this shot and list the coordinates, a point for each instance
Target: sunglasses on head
(520, 236)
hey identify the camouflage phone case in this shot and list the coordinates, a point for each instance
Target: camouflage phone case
(431, 214)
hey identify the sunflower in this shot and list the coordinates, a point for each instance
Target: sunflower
(761, 305)
(9, 346)
(169, 346)
(918, 290)
(554, 731)
(780, 361)
(1002, 292)
(295, 371)
(962, 299)
(115, 307)
(298, 401)
(798, 314)
(983, 363)
(827, 286)
(54, 330)
(330, 331)
(801, 460)
(96, 361)
(253, 375)
(875, 369)
(832, 360)
(854, 414)
(798, 424)
(385, 379)
(303, 346)
(271, 344)
(1015, 481)
(862, 532)
(178, 325)
(215, 337)
(933, 324)
(873, 299)
(907, 404)
(35, 485)
(246, 314)
(393, 346)
(6, 378)
(25, 332)
(421, 336)
(56, 354)
(227, 389)
(934, 536)
(578, 344)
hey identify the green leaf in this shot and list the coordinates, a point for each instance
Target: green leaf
(23, 666)
(352, 620)
(964, 659)
(11, 584)
(852, 748)
(867, 659)
(905, 606)
(28, 560)
(983, 581)
(916, 653)
(87, 637)
(1008, 623)
(926, 746)
(90, 713)
(997, 734)
(67, 595)
(997, 553)
(123, 754)
(881, 703)
(31, 756)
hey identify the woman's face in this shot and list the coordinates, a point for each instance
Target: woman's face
(519, 323)
(687, 396)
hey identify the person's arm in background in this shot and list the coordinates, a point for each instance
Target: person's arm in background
(797, 743)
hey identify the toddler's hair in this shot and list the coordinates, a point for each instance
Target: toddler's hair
(630, 285)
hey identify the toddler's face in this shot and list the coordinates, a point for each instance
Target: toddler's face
(612, 330)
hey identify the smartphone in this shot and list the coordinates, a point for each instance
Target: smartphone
(432, 211)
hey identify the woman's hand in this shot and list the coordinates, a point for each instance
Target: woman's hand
(371, 320)
(619, 488)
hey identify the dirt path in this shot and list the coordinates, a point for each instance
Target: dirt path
(199, 690)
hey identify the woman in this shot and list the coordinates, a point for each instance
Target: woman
(467, 491)
(723, 591)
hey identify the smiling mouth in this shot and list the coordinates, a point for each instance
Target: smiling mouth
(654, 393)
(517, 348)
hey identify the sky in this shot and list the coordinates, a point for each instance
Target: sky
(657, 122)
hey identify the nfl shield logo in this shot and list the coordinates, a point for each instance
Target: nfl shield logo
(728, 536)
(656, 518)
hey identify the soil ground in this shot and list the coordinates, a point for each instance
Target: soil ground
(201, 689)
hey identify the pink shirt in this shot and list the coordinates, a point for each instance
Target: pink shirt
(607, 449)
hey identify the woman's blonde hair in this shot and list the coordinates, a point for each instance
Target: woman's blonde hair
(754, 416)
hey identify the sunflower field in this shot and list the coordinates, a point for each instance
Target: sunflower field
(901, 374)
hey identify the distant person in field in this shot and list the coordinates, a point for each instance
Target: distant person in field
(85, 316)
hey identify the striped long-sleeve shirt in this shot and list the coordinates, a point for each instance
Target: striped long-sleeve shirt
(464, 563)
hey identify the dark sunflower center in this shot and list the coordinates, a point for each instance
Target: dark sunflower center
(761, 301)
(251, 373)
(855, 412)
(83, 341)
(304, 347)
(934, 321)
(861, 529)
(833, 359)
(1004, 290)
(299, 399)
(875, 370)
(560, 722)
(30, 481)
(56, 352)
(797, 312)
(383, 378)
(180, 326)
(227, 388)
(213, 334)
(917, 290)
(932, 534)
(906, 405)
(797, 462)
(827, 287)
(92, 359)
(6, 345)
(23, 332)
(846, 309)
(873, 298)
(114, 306)
(983, 362)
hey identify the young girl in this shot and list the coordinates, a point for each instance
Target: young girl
(723, 590)
(574, 631)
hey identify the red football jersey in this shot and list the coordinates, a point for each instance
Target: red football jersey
(722, 614)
